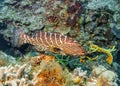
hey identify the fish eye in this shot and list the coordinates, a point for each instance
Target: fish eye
(57, 49)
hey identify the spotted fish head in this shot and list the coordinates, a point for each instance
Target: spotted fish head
(74, 49)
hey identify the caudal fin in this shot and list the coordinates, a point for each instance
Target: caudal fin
(16, 40)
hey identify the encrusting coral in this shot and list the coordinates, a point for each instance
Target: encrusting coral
(101, 76)
(79, 76)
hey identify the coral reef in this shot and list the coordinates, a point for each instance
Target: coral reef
(96, 4)
(79, 76)
(6, 59)
(86, 21)
(50, 72)
(44, 70)
(47, 73)
(14, 75)
(80, 20)
(66, 16)
(101, 76)
(62, 20)
(110, 8)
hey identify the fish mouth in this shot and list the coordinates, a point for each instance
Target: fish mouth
(83, 53)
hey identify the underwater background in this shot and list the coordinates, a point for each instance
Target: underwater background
(80, 43)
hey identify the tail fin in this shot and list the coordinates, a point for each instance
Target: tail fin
(16, 41)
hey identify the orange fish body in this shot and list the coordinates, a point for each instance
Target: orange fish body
(54, 42)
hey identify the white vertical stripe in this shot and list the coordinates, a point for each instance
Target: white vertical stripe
(42, 48)
(75, 41)
(65, 37)
(23, 39)
(46, 39)
(26, 39)
(56, 40)
(36, 38)
(41, 38)
(60, 39)
(51, 38)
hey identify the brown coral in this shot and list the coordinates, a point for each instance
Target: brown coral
(37, 59)
(49, 75)
(47, 72)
